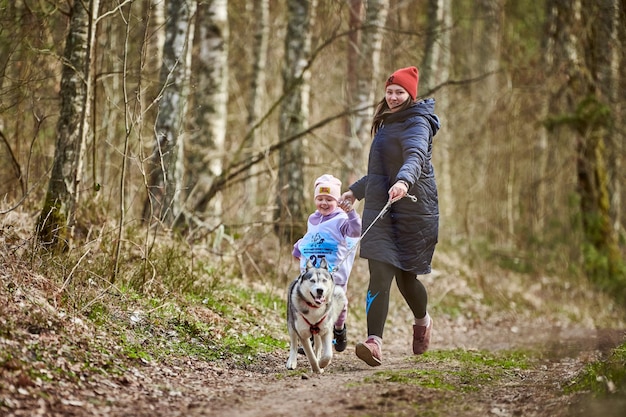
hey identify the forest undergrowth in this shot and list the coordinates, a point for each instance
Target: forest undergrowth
(73, 343)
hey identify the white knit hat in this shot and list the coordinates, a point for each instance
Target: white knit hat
(328, 185)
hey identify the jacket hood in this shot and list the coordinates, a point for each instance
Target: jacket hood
(425, 108)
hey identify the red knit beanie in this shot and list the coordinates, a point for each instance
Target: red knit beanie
(407, 78)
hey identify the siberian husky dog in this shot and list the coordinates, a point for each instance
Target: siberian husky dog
(313, 305)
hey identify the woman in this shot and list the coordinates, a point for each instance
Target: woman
(401, 243)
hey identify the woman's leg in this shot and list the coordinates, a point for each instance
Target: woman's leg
(413, 292)
(377, 301)
(416, 297)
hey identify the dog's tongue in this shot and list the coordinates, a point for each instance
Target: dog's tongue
(320, 299)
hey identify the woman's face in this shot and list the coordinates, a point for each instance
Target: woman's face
(395, 96)
(325, 204)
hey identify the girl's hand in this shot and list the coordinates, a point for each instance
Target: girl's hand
(347, 201)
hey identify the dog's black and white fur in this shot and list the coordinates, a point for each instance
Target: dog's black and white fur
(314, 303)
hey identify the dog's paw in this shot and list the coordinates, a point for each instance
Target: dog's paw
(325, 361)
(292, 363)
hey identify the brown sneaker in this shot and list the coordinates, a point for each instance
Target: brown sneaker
(369, 352)
(421, 338)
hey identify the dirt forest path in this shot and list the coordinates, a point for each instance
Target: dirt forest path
(344, 389)
(265, 389)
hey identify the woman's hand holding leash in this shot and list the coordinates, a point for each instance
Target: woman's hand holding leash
(398, 191)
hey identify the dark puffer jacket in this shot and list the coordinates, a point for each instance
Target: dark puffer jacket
(401, 150)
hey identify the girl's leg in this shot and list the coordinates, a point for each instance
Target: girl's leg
(341, 320)
(377, 301)
(340, 331)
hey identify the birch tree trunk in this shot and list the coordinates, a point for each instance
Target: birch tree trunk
(351, 145)
(291, 213)
(369, 83)
(56, 221)
(206, 150)
(165, 168)
(257, 86)
(436, 71)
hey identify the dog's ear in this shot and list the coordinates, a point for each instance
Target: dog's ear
(324, 264)
(309, 264)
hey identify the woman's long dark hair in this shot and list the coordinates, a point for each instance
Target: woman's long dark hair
(383, 110)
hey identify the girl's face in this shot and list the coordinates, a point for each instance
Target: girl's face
(395, 96)
(325, 204)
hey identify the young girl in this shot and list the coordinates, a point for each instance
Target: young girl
(332, 231)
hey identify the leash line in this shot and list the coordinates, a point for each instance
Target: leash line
(380, 214)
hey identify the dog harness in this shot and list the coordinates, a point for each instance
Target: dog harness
(314, 328)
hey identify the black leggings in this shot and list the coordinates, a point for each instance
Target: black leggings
(377, 302)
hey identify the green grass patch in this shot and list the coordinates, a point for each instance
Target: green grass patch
(605, 377)
(164, 332)
(505, 359)
(457, 370)
(230, 323)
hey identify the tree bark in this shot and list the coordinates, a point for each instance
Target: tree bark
(291, 213)
(555, 28)
(206, 151)
(586, 114)
(597, 107)
(165, 168)
(257, 87)
(56, 221)
(436, 71)
(369, 83)
(612, 87)
(351, 146)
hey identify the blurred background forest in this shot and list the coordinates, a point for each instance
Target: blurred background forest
(124, 123)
